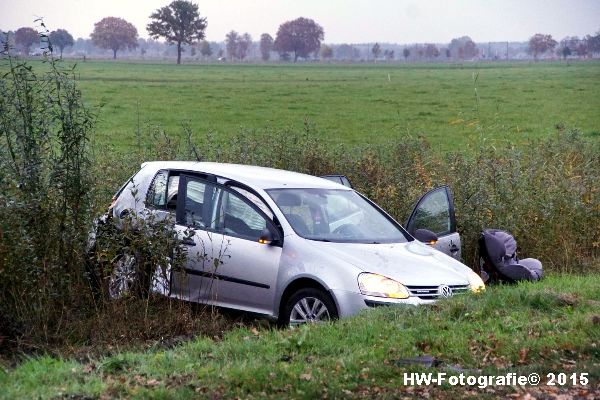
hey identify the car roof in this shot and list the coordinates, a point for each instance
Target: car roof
(261, 177)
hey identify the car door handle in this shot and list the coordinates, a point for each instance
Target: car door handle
(454, 248)
(188, 242)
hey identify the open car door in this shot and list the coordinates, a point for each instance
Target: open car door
(435, 212)
(341, 179)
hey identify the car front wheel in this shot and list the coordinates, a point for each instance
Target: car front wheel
(308, 305)
(128, 278)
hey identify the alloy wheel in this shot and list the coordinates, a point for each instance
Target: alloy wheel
(309, 310)
(123, 277)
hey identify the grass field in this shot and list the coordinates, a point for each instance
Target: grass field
(546, 327)
(448, 104)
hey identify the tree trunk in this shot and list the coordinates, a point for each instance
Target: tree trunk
(178, 52)
(61, 51)
(114, 54)
(295, 56)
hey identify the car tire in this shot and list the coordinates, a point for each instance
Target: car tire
(308, 305)
(128, 278)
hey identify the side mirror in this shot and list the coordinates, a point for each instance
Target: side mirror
(426, 236)
(267, 237)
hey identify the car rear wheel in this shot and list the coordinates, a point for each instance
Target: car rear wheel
(308, 305)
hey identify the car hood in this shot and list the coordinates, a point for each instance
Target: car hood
(412, 263)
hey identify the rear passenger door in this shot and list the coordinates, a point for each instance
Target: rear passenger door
(435, 212)
(194, 224)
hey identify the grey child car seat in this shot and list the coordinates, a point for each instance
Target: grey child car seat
(498, 259)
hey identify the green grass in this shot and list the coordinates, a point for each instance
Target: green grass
(551, 326)
(354, 104)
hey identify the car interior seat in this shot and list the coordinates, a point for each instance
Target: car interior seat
(290, 200)
(499, 261)
(238, 226)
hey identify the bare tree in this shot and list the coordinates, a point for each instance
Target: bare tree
(406, 53)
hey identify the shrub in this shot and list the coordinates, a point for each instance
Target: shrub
(44, 194)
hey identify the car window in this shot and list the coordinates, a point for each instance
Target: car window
(257, 201)
(433, 213)
(157, 193)
(301, 215)
(198, 195)
(339, 207)
(237, 218)
(172, 189)
(336, 215)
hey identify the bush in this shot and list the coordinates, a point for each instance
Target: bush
(51, 188)
(44, 195)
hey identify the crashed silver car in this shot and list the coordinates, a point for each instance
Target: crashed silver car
(293, 247)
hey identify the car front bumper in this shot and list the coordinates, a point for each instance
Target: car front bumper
(351, 303)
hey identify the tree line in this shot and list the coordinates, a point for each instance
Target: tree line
(181, 26)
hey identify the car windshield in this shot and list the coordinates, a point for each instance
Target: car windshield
(336, 215)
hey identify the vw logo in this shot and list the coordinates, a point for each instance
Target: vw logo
(445, 291)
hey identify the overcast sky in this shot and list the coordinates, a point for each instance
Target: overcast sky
(350, 21)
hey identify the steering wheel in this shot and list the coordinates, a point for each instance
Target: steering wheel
(347, 230)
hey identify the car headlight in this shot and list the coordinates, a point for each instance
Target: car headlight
(475, 282)
(380, 286)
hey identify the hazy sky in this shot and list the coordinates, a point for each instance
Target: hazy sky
(351, 21)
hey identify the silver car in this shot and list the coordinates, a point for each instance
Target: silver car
(293, 247)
